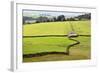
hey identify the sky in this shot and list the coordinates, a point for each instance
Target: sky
(31, 13)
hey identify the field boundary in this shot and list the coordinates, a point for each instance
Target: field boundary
(53, 36)
(42, 54)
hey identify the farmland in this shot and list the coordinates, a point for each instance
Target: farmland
(56, 28)
(32, 45)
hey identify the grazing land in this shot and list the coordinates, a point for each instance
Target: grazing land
(33, 45)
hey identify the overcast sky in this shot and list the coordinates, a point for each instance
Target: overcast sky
(34, 14)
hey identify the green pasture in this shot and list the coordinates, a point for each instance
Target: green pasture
(78, 52)
(56, 28)
(45, 44)
(32, 45)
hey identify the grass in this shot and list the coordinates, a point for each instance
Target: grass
(48, 44)
(56, 28)
(45, 44)
(78, 52)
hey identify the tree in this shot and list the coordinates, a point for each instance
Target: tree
(61, 18)
(42, 19)
(54, 18)
(71, 19)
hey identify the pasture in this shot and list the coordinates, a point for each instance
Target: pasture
(32, 45)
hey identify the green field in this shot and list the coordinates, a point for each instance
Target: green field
(32, 45)
(56, 28)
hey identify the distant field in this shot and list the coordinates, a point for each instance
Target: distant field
(33, 45)
(56, 28)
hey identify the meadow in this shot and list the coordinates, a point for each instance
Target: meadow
(32, 45)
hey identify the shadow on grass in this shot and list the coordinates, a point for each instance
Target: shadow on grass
(42, 54)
